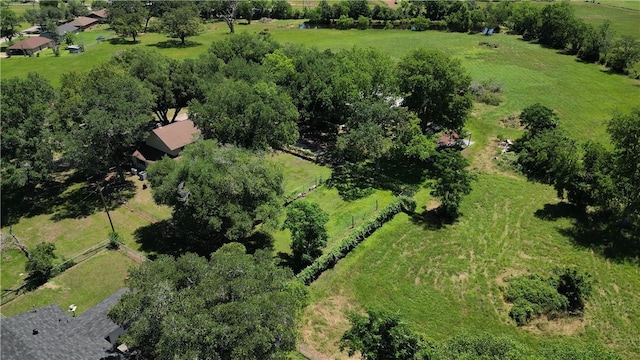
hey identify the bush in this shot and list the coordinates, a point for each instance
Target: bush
(115, 240)
(340, 250)
(344, 22)
(363, 22)
(563, 293)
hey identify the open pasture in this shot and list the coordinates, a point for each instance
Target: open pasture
(443, 280)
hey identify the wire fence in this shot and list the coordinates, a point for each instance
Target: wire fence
(133, 254)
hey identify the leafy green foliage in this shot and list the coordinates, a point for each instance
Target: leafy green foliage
(9, 23)
(182, 22)
(339, 251)
(307, 222)
(27, 132)
(218, 194)
(107, 111)
(452, 180)
(483, 346)
(382, 336)
(255, 116)
(127, 17)
(537, 118)
(533, 295)
(40, 263)
(626, 52)
(249, 47)
(234, 306)
(436, 89)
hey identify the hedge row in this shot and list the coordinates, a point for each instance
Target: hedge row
(340, 250)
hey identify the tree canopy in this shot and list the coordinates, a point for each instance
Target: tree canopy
(27, 131)
(307, 222)
(108, 110)
(233, 306)
(452, 180)
(254, 116)
(435, 88)
(127, 17)
(218, 194)
(182, 22)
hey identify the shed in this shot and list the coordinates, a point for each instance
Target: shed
(30, 46)
(101, 15)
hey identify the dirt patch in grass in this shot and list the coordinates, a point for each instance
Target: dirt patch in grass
(484, 161)
(562, 326)
(325, 321)
(503, 278)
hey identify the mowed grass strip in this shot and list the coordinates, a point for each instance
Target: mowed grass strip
(299, 174)
(84, 285)
(443, 281)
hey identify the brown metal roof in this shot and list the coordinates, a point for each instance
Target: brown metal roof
(100, 13)
(30, 43)
(177, 134)
(83, 21)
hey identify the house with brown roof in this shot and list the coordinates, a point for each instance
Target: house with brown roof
(29, 46)
(100, 15)
(83, 22)
(168, 140)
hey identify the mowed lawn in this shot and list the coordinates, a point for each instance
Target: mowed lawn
(444, 281)
(84, 285)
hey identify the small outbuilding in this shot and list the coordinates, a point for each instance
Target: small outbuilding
(75, 49)
(30, 46)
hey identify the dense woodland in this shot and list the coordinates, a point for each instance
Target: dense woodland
(359, 108)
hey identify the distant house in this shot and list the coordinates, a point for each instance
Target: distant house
(50, 333)
(100, 15)
(83, 22)
(30, 46)
(167, 140)
(62, 30)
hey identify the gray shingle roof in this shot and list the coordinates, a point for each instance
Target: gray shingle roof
(59, 336)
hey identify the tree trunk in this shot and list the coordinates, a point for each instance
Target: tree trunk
(175, 114)
(182, 39)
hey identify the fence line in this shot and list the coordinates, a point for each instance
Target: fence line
(11, 294)
(133, 254)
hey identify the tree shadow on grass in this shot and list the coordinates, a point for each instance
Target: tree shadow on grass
(122, 41)
(358, 180)
(175, 44)
(165, 238)
(598, 231)
(433, 219)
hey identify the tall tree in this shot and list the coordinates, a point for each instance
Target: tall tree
(307, 222)
(218, 194)
(27, 143)
(127, 17)
(9, 23)
(182, 22)
(382, 336)
(555, 28)
(537, 118)
(113, 109)
(436, 89)
(228, 10)
(255, 116)
(173, 83)
(40, 263)
(625, 54)
(234, 306)
(452, 180)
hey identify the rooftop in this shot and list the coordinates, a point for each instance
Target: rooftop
(30, 43)
(177, 134)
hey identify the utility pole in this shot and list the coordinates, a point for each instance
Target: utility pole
(106, 209)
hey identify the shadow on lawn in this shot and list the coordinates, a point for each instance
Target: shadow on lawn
(357, 180)
(175, 44)
(122, 41)
(433, 219)
(165, 238)
(600, 232)
(69, 198)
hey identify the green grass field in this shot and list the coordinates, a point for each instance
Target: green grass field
(624, 15)
(443, 281)
(84, 285)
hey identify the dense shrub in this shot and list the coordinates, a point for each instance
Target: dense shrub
(487, 91)
(340, 250)
(564, 293)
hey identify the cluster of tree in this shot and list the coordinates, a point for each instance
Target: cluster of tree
(555, 25)
(247, 91)
(232, 306)
(380, 335)
(592, 175)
